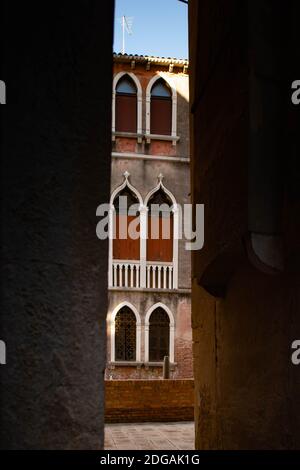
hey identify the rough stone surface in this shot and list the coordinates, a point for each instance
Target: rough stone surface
(247, 391)
(55, 171)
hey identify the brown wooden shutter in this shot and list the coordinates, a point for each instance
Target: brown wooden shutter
(125, 249)
(160, 249)
(126, 112)
(161, 115)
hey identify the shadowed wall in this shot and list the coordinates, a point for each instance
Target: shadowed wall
(245, 299)
(55, 146)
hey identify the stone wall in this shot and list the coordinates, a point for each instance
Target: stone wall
(55, 152)
(245, 305)
(149, 400)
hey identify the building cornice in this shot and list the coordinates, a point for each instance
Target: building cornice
(152, 60)
(141, 156)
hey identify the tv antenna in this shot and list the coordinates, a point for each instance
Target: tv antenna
(126, 22)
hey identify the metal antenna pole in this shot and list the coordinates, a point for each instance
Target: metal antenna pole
(123, 28)
(126, 23)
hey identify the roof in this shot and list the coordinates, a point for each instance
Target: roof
(144, 59)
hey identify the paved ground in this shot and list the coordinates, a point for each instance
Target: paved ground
(150, 436)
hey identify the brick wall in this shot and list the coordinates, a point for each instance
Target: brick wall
(149, 400)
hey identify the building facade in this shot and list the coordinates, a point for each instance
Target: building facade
(149, 313)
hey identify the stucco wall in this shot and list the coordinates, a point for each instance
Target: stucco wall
(181, 83)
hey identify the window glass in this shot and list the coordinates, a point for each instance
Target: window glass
(161, 89)
(159, 335)
(125, 335)
(126, 85)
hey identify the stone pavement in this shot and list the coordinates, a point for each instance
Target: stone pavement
(150, 436)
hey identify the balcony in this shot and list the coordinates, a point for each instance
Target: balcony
(142, 275)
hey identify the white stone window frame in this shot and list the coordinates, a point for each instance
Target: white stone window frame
(113, 332)
(172, 330)
(116, 79)
(176, 214)
(142, 210)
(173, 137)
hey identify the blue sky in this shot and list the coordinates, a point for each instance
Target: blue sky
(160, 27)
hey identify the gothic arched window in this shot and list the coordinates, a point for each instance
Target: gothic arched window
(159, 335)
(160, 227)
(124, 246)
(126, 105)
(161, 108)
(125, 335)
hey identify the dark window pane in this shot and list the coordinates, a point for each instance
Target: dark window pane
(125, 335)
(160, 197)
(131, 199)
(159, 335)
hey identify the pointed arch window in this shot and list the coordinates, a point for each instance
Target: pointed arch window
(143, 238)
(159, 335)
(161, 108)
(125, 335)
(160, 227)
(126, 105)
(124, 246)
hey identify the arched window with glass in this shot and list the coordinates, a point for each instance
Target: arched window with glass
(160, 227)
(126, 105)
(161, 108)
(125, 247)
(125, 335)
(159, 335)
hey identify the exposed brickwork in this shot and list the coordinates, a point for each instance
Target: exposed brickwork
(184, 354)
(149, 400)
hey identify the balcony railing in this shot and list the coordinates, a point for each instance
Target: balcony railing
(136, 274)
(159, 275)
(126, 274)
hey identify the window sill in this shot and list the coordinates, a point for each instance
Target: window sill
(168, 138)
(138, 365)
(131, 135)
(148, 137)
(112, 365)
